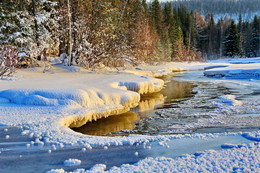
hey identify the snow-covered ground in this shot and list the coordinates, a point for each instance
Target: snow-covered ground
(46, 104)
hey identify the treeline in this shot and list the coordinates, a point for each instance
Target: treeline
(221, 7)
(119, 32)
(227, 38)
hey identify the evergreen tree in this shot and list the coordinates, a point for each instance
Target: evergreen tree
(178, 45)
(163, 43)
(232, 41)
(157, 16)
(28, 25)
(255, 40)
(212, 37)
(247, 35)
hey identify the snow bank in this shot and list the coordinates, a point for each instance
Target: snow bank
(237, 60)
(236, 69)
(235, 73)
(47, 104)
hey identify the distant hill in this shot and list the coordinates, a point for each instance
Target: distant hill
(222, 8)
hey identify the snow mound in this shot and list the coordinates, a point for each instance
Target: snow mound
(72, 162)
(143, 87)
(98, 168)
(230, 100)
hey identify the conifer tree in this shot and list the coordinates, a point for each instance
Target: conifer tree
(157, 17)
(255, 40)
(232, 41)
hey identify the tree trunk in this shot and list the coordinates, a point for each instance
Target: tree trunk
(70, 34)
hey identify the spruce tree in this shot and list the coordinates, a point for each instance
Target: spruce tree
(158, 24)
(157, 16)
(232, 41)
(255, 40)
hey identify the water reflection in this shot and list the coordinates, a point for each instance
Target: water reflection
(174, 91)
(149, 102)
(110, 124)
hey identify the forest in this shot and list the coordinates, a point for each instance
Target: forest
(119, 32)
(248, 8)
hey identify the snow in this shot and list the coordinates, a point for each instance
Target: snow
(56, 171)
(22, 54)
(235, 159)
(230, 100)
(46, 104)
(237, 69)
(72, 162)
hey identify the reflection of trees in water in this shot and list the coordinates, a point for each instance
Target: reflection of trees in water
(177, 90)
(110, 124)
(149, 102)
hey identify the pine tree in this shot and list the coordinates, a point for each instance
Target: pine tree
(255, 40)
(212, 37)
(157, 17)
(170, 25)
(232, 41)
(178, 45)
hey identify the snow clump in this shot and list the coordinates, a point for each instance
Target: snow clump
(72, 162)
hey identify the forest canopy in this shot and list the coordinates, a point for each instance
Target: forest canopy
(119, 32)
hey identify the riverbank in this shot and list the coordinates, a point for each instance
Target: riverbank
(46, 104)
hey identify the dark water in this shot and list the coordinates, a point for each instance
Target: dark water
(173, 93)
